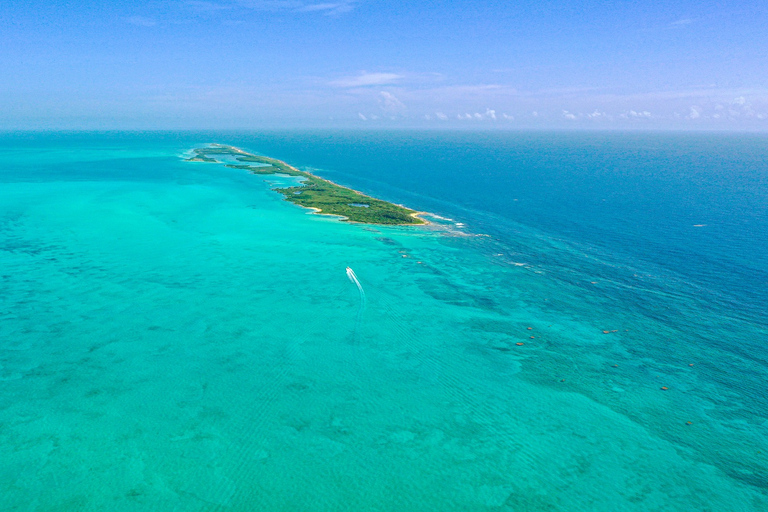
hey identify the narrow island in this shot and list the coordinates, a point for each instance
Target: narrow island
(323, 196)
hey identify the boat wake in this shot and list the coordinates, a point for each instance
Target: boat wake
(353, 278)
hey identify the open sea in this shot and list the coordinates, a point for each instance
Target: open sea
(583, 326)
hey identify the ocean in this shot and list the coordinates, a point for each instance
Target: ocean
(582, 327)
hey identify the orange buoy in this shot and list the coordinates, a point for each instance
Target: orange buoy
(606, 332)
(690, 364)
(519, 343)
(530, 328)
(615, 366)
(689, 423)
(664, 388)
(533, 337)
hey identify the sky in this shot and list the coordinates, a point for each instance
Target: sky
(239, 64)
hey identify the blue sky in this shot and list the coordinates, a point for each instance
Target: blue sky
(303, 63)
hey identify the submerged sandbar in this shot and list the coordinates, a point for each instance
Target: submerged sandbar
(323, 196)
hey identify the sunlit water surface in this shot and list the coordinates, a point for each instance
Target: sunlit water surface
(583, 327)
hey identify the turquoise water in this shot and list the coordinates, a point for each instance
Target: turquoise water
(177, 337)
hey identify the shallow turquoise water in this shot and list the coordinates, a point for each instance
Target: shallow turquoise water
(177, 337)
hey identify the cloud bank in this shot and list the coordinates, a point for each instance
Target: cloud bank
(367, 79)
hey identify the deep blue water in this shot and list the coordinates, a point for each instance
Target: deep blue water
(185, 321)
(638, 196)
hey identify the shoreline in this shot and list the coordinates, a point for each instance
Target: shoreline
(322, 196)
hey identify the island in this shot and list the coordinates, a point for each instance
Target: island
(321, 195)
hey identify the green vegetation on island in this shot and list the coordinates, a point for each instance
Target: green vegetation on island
(201, 158)
(322, 195)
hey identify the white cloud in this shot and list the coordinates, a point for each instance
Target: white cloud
(477, 116)
(682, 22)
(740, 107)
(568, 115)
(270, 5)
(597, 115)
(441, 116)
(695, 113)
(634, 114)
(328, 8)
(362, 116)
(535, 114)
(389, 103)
(201, 5)
(509, 117)
(141, 21)
(367, 79)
